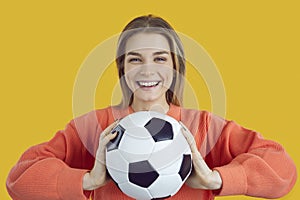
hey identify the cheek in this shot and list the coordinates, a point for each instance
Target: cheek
(128, 79)
(167, 73)
(129, 76)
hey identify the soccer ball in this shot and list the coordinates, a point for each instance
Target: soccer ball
(149, 158)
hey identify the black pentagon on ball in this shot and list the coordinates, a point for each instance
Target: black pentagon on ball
(159, 129)
(142, 173)
(186, 166)
(114, 143)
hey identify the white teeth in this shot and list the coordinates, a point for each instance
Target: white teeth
(148, 84)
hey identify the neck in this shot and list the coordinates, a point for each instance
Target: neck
(150, 106)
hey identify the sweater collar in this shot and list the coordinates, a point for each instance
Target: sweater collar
(174, 111)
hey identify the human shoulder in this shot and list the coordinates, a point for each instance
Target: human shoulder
(105, 115)
(92, 113)
(195, 114)
(93, 118)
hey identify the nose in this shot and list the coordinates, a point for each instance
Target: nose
(146, 73)
(146, 70)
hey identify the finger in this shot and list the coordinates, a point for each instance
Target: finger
(102, 145)
(105, 141)
(189, 137)
(108, 129)
(112, 136)
(183, 126)
(190, 141)
(187, 134)
(107, 138)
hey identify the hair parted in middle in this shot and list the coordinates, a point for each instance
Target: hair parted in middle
(153, 24)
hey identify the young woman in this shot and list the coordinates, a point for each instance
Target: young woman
(227, 158)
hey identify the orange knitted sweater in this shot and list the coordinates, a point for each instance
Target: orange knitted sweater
(247, 163)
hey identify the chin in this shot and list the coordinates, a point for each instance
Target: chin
(148, 98)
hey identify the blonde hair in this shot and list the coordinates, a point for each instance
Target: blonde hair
(153, 24)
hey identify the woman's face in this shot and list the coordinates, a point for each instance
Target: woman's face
(148, 67)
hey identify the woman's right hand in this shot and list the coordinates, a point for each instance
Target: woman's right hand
(97, 177)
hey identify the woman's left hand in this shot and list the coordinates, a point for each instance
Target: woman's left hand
(201, 177)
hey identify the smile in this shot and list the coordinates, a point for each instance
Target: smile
(148, 83)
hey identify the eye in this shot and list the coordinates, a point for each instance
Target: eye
(160, 59)
(134, 60)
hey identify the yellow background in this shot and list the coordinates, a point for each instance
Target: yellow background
(255, 45)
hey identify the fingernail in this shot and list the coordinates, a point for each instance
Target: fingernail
(183, 127)
(114, 132)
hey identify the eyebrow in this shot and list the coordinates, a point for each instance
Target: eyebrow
(154, 54)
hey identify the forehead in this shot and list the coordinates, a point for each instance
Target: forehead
(142, 41)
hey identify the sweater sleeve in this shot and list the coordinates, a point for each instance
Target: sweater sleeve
(251, 165)
(51, 170)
